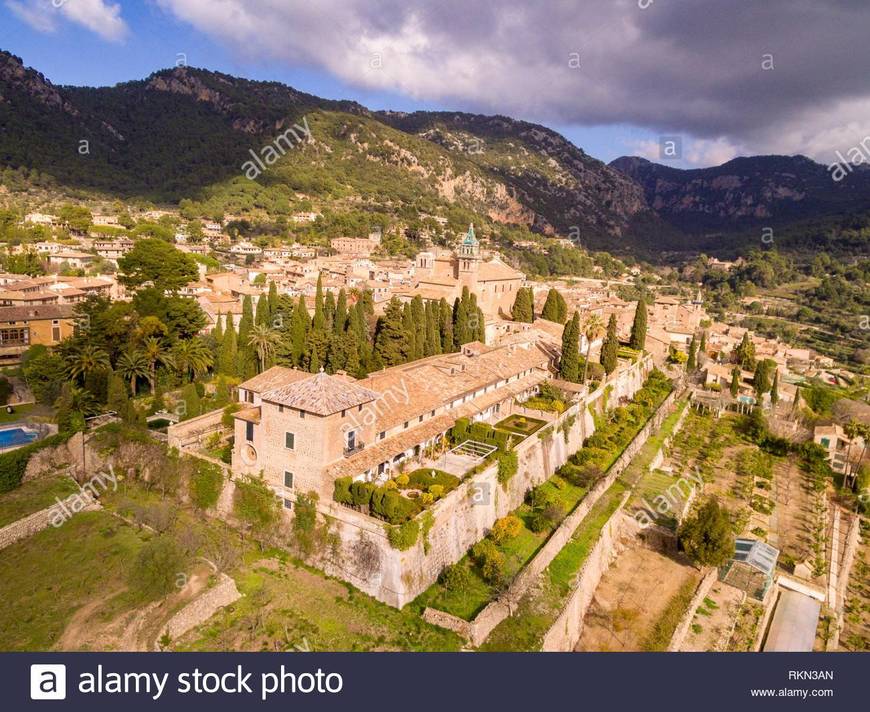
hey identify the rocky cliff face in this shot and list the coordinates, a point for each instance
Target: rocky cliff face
(745, 192)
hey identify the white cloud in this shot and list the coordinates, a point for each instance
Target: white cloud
(693, 69)
(100, 17)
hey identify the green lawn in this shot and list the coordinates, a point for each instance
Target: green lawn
(286, 606)
(20, 413)
(538, 610)
(45, 578)
(520, 424)
(32, 496)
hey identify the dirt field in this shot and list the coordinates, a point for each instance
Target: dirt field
(714, 621)
(856, 624)
(631, 598)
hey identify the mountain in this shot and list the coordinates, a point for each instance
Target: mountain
(746, 193)
(183, 135)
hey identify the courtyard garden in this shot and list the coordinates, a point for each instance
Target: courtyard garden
(520, 424)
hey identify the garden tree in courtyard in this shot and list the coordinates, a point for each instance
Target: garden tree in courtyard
(638, 327)
(555, 308)
(157, 263)
(707, 536)
(735, 381)
(523, 309)
(593, 330)
(569, 364)
(610, 347)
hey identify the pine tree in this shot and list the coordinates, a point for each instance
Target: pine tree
(610, 348)
(639, 327)
(692, 360)
(734, 388)
(569, 365)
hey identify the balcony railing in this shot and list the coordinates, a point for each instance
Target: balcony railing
(352, 449)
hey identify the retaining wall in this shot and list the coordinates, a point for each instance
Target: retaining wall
(54, 515)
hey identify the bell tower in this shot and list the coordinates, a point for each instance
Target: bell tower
(468, 259)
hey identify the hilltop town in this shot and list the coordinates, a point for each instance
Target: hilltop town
(365, 441)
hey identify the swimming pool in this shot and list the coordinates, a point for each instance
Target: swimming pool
(11, 437)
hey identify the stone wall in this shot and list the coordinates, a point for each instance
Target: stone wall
(202, 608)
(682, 629)
(36, 522)
(566, 630)
(192, 432)
(495, 612)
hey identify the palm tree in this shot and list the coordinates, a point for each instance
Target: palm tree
(87, 360)
(264, 340)
(192, 357)
(155, 352)
(593, 329)
(132, 365)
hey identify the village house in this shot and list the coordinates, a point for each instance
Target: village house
(843, 451)
(24, 326)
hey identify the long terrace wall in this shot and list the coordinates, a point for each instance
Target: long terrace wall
(365, 557)
(36, 522)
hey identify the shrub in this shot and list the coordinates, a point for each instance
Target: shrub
(305, 520)
(13, 464)
(157, 566)
(507, 466)
(489, 560)
(206, 483)
(506, 528)
(706, 536)
(403, 480)
(361, 493)
(255, 504)
(404, 536)
(341, 490)
(455, 577)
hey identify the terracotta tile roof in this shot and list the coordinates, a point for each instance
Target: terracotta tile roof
(251, 415)
(384, 450)
(321, 394)
(273, 378)
(43, 311)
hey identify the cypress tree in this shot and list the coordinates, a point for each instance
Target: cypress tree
(461, 332)
(774, 389)
(735, 381)
(339, 323)
(523, 308)
(218, 331)
(555, 308)
(329, 310)
(418, 320)
(638, 327)
(299, 327)
(702, 347)
(227, 356)
(273, 298)
(263, 315)
(610, 348)
(692, 361)
(319, 320)
(569, 365)
(445, 326)
(391, 338)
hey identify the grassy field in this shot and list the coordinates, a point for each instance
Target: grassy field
(45, 578)
(288, 606)
(32, 496)
(539, 608)
(20, 413)
(641, 462)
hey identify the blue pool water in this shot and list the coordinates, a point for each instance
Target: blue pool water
(15, 436)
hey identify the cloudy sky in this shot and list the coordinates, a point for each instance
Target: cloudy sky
(730, 77)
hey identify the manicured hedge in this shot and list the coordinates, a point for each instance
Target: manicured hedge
(383, 502)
